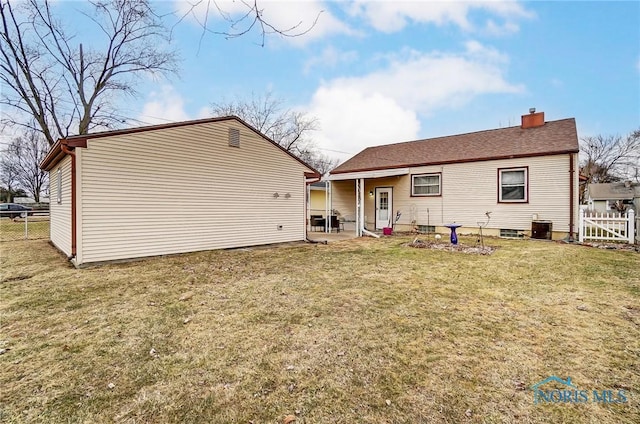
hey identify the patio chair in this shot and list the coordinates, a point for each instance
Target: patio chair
(316, 221)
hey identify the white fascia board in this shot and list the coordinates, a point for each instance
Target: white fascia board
(369, 174)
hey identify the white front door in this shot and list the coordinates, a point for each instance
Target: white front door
(384, 197)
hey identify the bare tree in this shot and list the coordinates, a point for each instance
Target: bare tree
(8, 179)
(22, 159)
(69, 89)
(321, 162)
(288, 128)
(610, 158)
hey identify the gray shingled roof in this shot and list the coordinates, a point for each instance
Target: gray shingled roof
(554, 137)
(613, 191)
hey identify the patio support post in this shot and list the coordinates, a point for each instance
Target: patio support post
(357, 184)
(631, 234)
(361, 211)
(328, 189)
(307, 213)
(327, 200)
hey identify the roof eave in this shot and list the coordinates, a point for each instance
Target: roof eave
(415, 165)
(54, 156)
(56, 153)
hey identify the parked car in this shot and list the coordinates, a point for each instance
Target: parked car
(14, 210)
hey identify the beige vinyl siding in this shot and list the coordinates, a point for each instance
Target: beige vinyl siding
(185, 189)
(317, 202)
(60, 224)
(471, 189)
(343, 198)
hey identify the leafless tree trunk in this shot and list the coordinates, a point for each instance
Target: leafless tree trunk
(23, 157)
(69, 89)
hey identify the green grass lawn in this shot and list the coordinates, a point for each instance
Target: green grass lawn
(356, 331)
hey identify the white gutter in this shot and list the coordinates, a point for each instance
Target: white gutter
(368, 174)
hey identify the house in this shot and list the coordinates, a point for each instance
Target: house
(525, 176)
(173, 188)
(613, 197)
(318, 198)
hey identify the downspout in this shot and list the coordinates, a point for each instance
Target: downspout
(72, 153)
(572, 172)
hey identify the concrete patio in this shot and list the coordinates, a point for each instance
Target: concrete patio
(330, 237)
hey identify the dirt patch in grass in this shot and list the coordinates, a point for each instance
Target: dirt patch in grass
(356, 331)
(436, 245)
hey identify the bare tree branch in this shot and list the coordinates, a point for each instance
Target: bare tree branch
(290, 129)
(64, 84)
(20, 164)
(611, 158)
(251, 19)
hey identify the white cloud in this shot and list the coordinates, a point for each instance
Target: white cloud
(291, 16)
(388, 16)
(163, 106)
(494, 28)
(383, 106)
(330, 58)
(352, 120)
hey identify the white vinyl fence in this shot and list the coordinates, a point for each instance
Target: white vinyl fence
(620, 227)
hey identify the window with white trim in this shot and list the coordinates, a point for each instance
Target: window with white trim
(59, 186)
(513, 185)
(425, 185)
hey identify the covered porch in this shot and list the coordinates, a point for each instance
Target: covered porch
(368, 197)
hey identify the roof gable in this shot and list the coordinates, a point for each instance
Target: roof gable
(56, 153)
(554, 137)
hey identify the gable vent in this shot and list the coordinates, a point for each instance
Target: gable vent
(234, 137)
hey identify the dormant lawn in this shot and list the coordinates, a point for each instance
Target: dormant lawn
(359, 331)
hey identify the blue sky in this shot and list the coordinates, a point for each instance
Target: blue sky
(380, 72)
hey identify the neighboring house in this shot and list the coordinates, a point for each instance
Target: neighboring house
(120, 194)
(526, 176)
(613, 197)
(318, 198)
(29, 200)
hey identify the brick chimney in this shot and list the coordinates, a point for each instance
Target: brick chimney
(533, 119)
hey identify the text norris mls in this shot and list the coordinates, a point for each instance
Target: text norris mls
(572, 395)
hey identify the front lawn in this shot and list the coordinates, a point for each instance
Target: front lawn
(355, 331)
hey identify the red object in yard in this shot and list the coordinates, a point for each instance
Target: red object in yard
(387, 231)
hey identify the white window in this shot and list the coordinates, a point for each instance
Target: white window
(513, 185)
(59, 186)
(425, 185)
